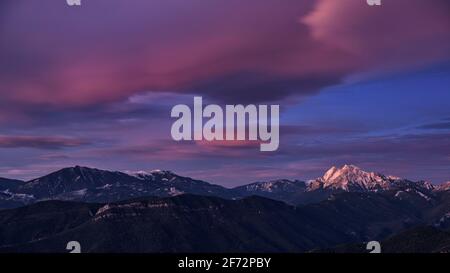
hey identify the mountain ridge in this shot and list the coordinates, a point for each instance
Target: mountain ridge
(87, 184)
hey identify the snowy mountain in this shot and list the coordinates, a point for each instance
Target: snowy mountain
(353, 179)
(348, 178)
(94, 185)
(77, 182)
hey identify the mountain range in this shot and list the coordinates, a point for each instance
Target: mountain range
(160, 211)
(93, 185)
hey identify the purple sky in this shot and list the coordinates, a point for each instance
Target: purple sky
(94, 85)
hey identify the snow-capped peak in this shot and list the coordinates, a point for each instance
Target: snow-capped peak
(350, 177)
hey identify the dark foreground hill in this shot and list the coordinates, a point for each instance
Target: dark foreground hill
(190, 223)
(423, 239)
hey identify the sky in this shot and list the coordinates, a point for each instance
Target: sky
(94, 85)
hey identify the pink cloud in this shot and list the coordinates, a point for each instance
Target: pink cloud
(400, 34)
(57, 59)
(41, 142)
(252, 50)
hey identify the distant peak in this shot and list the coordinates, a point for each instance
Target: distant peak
(345, 170)
(350, 176)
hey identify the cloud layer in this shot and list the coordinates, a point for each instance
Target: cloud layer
(229, 50)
